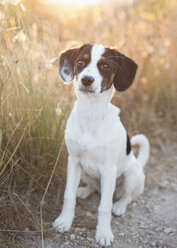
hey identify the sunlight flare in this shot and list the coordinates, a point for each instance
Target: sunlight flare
(78, 3)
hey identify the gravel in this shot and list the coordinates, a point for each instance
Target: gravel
(150, 221)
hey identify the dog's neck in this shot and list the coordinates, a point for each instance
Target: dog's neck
(95, 102)
(93, 106)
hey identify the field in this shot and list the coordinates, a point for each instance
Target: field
(35, 104)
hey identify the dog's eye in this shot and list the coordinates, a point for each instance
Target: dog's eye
(104, 66)
(81, 62)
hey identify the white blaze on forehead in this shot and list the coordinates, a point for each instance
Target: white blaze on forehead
(96, 52)
(92, 69)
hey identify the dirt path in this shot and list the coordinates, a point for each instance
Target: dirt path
(151, 221)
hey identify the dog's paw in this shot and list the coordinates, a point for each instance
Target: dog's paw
(104, 236)
(62, 223)
(84, 192)
(119, 208)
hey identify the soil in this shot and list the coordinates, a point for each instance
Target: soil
(150, 221)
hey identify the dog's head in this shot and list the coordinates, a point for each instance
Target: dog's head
(97, 68)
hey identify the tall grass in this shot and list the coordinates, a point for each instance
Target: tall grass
(34, 105)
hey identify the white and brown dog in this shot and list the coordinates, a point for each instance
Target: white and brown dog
(99, 148)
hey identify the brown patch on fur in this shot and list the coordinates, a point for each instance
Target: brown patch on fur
(106, 85)
(86, 56)
(110, 81)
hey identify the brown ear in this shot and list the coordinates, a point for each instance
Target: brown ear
(126, 71)
(66, 65)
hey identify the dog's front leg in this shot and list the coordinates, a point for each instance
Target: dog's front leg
(65, 219)
(103, 231)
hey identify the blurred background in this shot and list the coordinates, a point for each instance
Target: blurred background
(34, 103)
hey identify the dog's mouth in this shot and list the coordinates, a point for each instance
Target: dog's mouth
(86, 90)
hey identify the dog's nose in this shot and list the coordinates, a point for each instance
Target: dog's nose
(87, 80)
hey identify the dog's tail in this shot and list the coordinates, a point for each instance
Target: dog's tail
(144, 148)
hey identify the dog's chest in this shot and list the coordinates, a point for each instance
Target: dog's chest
(90, 150)
(91, 142)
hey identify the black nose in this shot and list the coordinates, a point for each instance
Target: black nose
(87, 80)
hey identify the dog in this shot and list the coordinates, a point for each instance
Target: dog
(100, 152)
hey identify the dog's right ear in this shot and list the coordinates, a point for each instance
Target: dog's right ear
(67, 60)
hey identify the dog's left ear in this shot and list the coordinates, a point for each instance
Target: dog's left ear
(66, 65)
(126, 70)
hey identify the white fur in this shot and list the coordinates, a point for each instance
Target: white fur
(143, 142)
(96, 142)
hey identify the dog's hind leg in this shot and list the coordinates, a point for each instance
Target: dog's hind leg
(92, 185)
(84, 192)
(132, 188)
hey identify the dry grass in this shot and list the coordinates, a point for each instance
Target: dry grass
(34, 105)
